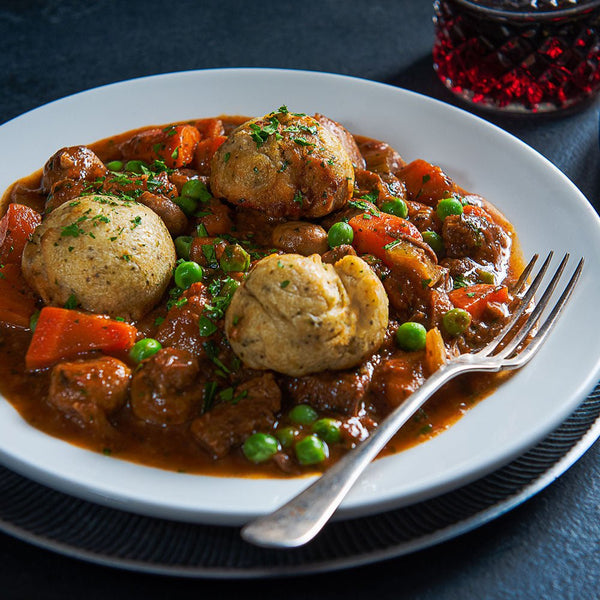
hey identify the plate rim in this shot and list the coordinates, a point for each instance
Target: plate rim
(348, 509)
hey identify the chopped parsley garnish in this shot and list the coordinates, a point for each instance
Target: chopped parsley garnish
(285, 283)
(221, 292)
(260, 134)
(425, 429)
(302, 141)
(174, 294)
(210, 389)
(391, 245)
(460, 282)
(71, 302)
(73, 230)
(211, 256)
(212, 352)
(159, 166)
(206, 326)
(362, 205)
(227, 157)
(226, 395)
(371, 196)
(181, 302)
(298, 198)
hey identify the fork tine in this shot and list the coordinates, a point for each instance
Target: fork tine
(533, 318)
(524, 303)
(540, 337)
(518, 286)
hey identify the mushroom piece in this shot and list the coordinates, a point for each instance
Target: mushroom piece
(300, 237)
(111, 256)
(297, 315)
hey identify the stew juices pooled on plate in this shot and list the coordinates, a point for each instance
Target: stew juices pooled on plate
(241, 297)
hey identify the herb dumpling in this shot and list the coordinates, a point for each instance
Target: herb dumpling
(284, 164)
(297, 315)
(102, 254)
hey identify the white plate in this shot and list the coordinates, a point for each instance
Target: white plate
(545, 207)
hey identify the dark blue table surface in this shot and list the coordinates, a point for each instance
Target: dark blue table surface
(547, 548)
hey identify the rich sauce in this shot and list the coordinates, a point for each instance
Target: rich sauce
(172, 447)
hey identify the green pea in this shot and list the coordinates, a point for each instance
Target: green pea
(195, 189)
(410, 336)
(303, 414)
(33, 320)
(183, 245)
(186, 273)
(311, 450)
(234, 258)
(328, 429)
(456, 321)
(260, 447)
(135, 166)
(286, 436)
(340, 233)
(186, 204)
(396, 207)
(206, 326)
(434, 240)
(144, 349)
(114, 165)
(449, 206)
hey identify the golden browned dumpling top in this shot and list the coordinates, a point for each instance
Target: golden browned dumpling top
(284, 164)
(103, 254)
(297, 315)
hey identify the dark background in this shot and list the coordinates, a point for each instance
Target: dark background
(546, 548)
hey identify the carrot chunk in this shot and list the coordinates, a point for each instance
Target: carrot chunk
(477, 211)
(17, 302)
(425, 182)
(206, 150)
(17, 224)
(210, 127)
(475, 298)
(62, 333)
(175, 145)
(375, 233)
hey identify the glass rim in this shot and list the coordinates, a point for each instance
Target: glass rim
(517, 15)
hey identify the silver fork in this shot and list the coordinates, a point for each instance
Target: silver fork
(298, 521)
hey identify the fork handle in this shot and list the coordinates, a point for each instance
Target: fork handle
(298, 521)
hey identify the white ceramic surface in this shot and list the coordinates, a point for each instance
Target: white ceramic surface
(545, 207)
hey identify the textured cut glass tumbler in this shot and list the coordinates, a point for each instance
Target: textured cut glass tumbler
(527, 56)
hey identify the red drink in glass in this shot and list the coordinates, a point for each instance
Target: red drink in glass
(519, 55)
